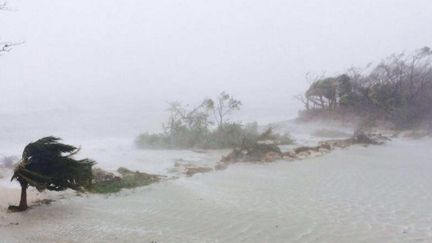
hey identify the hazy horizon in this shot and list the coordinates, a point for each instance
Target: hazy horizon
(99, 76)
(134, 57)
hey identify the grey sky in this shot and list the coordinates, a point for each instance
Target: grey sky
(143, 53)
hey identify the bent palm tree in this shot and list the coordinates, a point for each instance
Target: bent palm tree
(48, 164)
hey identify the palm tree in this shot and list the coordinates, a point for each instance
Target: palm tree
(49, 164)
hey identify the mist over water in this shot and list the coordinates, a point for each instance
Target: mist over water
(121, 61)
(108, 68)
(98, 73)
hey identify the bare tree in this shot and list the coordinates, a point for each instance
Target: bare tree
(193, 119)
(224, 105)
(6, 46)
(303, 99)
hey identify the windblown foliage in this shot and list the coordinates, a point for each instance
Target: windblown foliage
(398, 90)
(48, 164)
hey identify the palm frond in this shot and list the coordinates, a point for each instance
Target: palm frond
(49, 164)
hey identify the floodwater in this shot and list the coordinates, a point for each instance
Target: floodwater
(360, 194)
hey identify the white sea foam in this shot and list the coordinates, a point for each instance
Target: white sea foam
(373, 194)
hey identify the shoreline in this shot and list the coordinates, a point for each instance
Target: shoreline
(343, 192)
(315, 149)
(324, 147)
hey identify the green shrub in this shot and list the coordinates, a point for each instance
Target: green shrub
(228, 136)
(106, 182)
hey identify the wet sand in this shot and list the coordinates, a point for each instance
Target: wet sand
(373, 194)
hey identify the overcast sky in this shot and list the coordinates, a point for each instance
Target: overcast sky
(135, 53)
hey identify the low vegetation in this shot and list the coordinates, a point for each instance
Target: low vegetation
(261, 152)
(206, 126)
(107, 182)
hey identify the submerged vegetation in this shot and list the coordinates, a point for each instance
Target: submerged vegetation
(107, 182)
(397, 91)
(329, 133)
(261, 152)
(206, 126)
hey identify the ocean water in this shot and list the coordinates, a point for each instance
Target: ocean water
(360, 194)
(373, 194)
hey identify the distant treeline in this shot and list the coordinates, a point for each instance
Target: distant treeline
(398, 91)
(207, 126)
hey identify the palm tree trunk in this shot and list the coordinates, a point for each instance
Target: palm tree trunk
(23, 201)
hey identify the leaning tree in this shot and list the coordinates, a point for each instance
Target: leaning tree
(48, 164)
